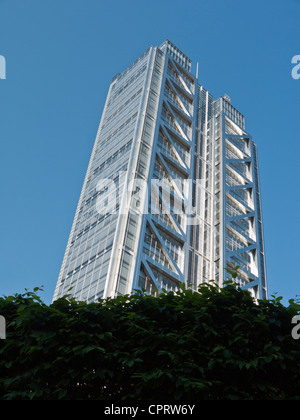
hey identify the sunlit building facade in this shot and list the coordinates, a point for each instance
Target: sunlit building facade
(172, 190)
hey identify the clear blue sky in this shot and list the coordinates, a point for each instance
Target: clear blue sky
(61, 56)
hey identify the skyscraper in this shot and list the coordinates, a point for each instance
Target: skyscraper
(172, 190)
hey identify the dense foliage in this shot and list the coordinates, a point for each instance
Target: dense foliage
(215, 344)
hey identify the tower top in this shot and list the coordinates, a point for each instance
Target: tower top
(179, 56)
(227, 98)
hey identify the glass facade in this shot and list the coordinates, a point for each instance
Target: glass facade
(171, 192)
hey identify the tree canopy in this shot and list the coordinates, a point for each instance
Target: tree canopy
(214, 344)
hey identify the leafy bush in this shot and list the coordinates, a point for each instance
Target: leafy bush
(215, 344)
